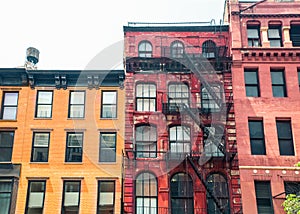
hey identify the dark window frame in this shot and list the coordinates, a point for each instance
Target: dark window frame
(249, 85)
(34, 147)
(295, 34)
(75, 104)
(43, 104)
(292, 187)
(282, 140)
(173, 99)
(114, 114)
(7, 180)
(253, 139)
(208, 103)
(298, 72)
(7, 147)
(273, 38)
(209, 49)
(63, 207)
(140, 194)
(266, 196)
(28, 194)
(185, 193)
(69, 149)
(102, 148)
(4, 106)
(217, 183)
(142, 51)
(145, 143)
(141, 98)
(99, 197)
(276, 85)
(177, 49)
(254, 41)
(179, 143)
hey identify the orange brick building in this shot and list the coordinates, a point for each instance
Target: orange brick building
(265, 49)
(61, 139)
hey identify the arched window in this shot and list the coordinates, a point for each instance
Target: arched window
(146, 141)
(182, 194)
(145, 97)
(177, 49)
(178, 93)
(180, 141)
(208, 49)
(146, 194)
(218, 185)
(145, 49)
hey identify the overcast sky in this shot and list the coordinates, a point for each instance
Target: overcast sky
(70, 33)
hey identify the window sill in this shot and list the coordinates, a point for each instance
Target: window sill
(44, 163)
(107, 118)
(8, 120)
(73, 163)
(43, 118)
(107, 163)
(76, 118)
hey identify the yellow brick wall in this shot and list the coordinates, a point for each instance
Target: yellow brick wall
(89, 171)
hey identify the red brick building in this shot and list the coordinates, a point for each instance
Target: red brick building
(180, 144)
(265, 50)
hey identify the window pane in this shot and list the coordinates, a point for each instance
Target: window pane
(6, 139)
(75, 139)
(252, 91)
(275, 43)
(277, 77)
(107, 147)
(9, 113)
(77, 97)
(109, 97)
(250, 77)
(40, 155)
(44, 111)
(36, 195)
(274, 33)
(71, 193)
(263, 197)
(278, 91)
(5, 196)
(11, 99)
(76, 111)
(252, 33)
(256, 129)
(41, 139)
(44, 97)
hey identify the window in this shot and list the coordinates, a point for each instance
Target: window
(146, 141)
(218, 186)
(253, 33)
(208, 49)
(10, 105)
(76, 108)
(35, 197)
(285, 138)
(212, 142)
(44, 104)
(177, 49)
(299, 78)
(74, 147)
(145, 97)
(108, 147)
(178, 94)
(292, 187)
(263, 197)
(180, 141)
(109, 104)
(6, 146)
(145, 49)
(295, 34)
(71, 197)
(251, 83)
(278, 83)
(40, 147)
(274, 35)
(208, 103)
(106, 197)
(257, 137)
(146, 194)
(182, 194)
(6, 188)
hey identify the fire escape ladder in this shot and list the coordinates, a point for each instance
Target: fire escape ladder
(215, 138)
(191, 64)
(210, 192)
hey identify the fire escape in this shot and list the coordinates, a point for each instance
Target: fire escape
(206, 69)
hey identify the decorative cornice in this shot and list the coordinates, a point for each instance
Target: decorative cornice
(279, 15)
